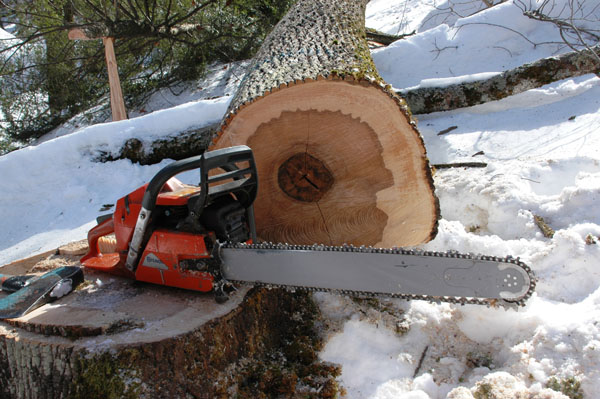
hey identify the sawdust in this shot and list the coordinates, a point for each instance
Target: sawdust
(53, 262)
(66, 255)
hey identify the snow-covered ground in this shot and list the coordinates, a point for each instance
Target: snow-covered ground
(540, 162)
(542, 148)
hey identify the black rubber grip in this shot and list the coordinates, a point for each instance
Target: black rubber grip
(14, 283)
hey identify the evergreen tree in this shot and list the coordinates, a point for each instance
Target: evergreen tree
(47, 78)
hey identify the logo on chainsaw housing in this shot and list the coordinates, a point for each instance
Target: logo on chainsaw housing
(152, 261)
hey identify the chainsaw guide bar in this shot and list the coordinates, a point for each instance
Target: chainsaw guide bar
(379, 272)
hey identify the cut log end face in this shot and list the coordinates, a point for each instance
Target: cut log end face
(316, 185)
(304, 177)
(338, 162)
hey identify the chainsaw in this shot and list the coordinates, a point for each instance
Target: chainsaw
(203, 237)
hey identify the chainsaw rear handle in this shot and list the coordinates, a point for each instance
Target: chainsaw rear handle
(105, 227)
(243, 184)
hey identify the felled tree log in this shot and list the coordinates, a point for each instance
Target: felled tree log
(339, 158)
(183, 145)
(508, 83)
(113, 338)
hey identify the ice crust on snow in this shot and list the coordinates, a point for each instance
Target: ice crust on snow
(542, 150)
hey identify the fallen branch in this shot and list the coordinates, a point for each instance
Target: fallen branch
(460, 165)
(183, 145)
(518, 80)
(385, 38)
(420, 364)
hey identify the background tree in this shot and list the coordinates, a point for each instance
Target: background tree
(46, 78)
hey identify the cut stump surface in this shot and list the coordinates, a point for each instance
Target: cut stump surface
(113, 337)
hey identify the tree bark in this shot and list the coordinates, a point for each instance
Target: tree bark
(113, 338)
(184, 145)
(518, 80)
(384, 38)
(339, 158)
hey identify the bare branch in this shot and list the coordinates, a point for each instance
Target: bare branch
(194, 11)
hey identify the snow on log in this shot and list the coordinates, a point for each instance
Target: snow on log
(339, 157)
(526, 77)
(186, 144)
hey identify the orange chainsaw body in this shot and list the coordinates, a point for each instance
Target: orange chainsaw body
(176, 245)
(165, 251)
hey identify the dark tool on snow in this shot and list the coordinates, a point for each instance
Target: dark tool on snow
(29, 292)
(203, 238)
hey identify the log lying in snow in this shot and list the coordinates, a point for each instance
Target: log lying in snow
(339, 158)
(184, 145)
(508, 83)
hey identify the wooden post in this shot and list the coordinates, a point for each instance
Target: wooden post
(117, 104)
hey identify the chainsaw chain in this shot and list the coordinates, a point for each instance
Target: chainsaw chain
(512, 304)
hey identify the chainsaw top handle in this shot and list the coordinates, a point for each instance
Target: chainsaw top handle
(242, 182)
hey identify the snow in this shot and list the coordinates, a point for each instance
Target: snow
(54, 191)
(542, 150)
(7, 39)
(221, 80)
(398, 17)
(491, 41)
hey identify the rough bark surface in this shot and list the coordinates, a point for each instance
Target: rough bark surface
(384, 39)
(313, 93)
(119, 339)
(518, 80)
(315, 39)
(184, 145)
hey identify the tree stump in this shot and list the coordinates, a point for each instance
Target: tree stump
(114, 338)
(339, 157)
